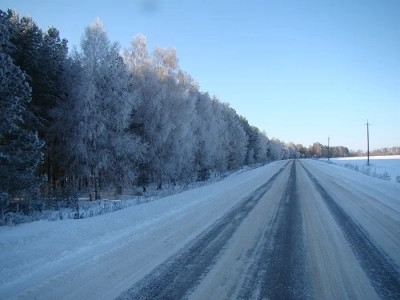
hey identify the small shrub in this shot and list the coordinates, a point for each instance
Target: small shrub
(12, 218)
(386, 176)
(366, 171)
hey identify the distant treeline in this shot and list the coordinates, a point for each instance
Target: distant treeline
(317, 150)
(378, 152)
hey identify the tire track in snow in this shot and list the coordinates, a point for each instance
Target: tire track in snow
(376, 264)
(281, 270)
(178, 275)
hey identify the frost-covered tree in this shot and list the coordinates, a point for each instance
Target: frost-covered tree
(316, 149)
(262, 147)
(93, 121)
(230, 138)
(20, 147)
(189, 134)
(182, 114)
(278, 149)
(206, 134)
(237, 138)
(165, 62)
(257, 145)
(293, 151)
(165, 111)
(220, 137)
(136, 57)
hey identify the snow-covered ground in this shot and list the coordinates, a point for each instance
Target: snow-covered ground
(378, 164)
(110, 202)
(305, 227)
(33, 253)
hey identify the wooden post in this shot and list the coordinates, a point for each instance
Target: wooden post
(367, 141)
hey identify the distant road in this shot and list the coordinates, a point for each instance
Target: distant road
(298, 229)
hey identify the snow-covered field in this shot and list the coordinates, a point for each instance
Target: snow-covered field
(241, 237)
(378, 164)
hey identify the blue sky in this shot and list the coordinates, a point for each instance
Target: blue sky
(300, 70)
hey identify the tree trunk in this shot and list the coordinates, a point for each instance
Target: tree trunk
(96, 189)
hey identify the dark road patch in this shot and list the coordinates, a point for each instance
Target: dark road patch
(281, 271)
(376, 264)
(181, 273)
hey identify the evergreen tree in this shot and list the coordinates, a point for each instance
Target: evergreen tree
(20, 147)
(41, 56)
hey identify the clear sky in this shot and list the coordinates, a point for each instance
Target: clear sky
(300, 70)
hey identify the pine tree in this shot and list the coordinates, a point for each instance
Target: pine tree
(41, 56)
(20, 148)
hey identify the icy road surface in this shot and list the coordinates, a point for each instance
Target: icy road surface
(290, 230)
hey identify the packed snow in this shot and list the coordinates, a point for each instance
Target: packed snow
(34, 252)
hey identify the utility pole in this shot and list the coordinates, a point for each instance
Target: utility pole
(367, 140)
(328, 146)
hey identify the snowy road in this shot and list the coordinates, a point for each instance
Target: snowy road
(289, 230)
